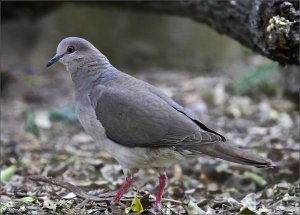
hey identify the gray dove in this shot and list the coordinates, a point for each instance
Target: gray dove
(139, 125)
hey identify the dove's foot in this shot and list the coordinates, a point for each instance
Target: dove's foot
(127, 184)
(160, 190)
(157, 207)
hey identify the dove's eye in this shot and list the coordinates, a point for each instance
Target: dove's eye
(70, 49)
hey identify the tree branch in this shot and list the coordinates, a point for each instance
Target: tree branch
(270, 28)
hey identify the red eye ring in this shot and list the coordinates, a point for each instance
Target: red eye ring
(70, 49)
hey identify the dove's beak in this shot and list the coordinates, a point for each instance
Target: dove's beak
(54, 59)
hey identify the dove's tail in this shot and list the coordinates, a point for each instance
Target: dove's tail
(235, 154)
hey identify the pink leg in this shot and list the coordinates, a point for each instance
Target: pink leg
(127, 184)
(161, 186)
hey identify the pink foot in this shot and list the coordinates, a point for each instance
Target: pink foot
(161, 186)
(127, 184)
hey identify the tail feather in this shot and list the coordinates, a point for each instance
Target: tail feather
(235, 154)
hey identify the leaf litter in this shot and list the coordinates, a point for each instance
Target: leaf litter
(50, 166)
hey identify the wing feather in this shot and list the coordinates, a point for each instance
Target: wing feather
(140, 118)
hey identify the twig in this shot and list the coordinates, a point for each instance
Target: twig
(173, 201)
(166, 199)
(81, 204)
(77, 190)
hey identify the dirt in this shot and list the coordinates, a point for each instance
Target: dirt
(60, 170)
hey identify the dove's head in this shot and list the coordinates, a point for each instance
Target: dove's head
(84, 62)
(74, 50)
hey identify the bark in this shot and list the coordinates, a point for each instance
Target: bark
(269, 27)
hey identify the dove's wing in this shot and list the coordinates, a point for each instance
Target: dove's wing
(139, 118)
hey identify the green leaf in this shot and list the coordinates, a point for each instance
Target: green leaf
(255, 178)
(63, 114)
(136, 206)
(192, 208)
(26, 199)
(255, 76)
(31, 125)
(8, 173)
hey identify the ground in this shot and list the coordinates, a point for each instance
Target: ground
(50, 166)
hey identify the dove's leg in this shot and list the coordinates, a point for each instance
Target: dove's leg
(160, 190)
(127, 184)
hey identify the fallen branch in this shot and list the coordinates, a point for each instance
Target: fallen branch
(152, 198)
(81, 193)
(70, 187)
(77, 190)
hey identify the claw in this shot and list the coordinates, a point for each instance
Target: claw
(157, 207)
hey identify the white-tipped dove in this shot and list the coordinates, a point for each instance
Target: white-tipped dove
(135, 122)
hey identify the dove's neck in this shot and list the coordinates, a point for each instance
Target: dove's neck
(90, 73)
